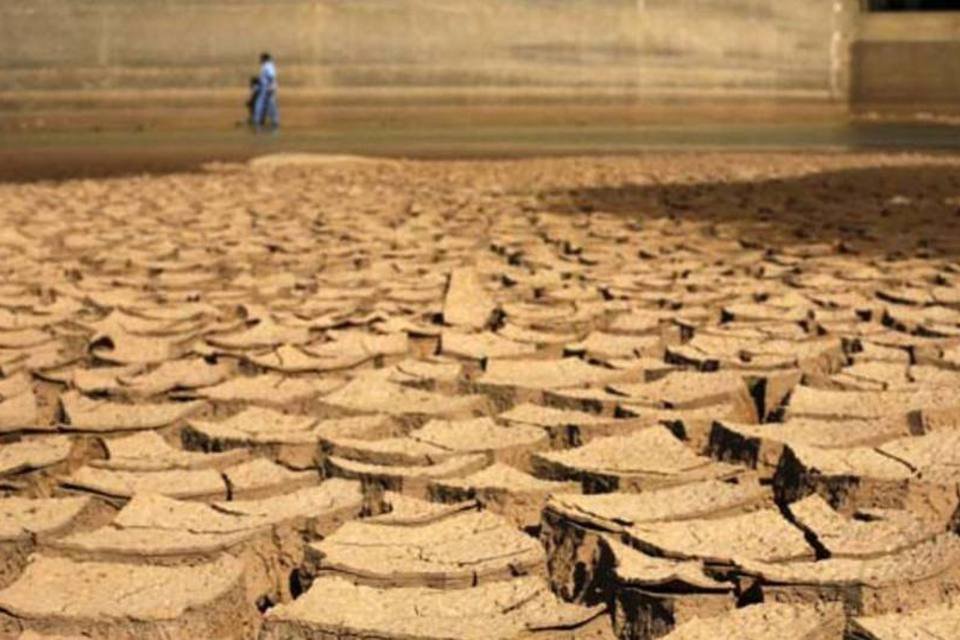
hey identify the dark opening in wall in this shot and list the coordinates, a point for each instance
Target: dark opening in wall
(912, 5)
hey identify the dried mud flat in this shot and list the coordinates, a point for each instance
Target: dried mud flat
(689, 396)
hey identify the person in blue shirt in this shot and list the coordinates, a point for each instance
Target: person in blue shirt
(266, 105)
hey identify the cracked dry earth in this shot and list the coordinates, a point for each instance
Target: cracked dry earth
(688, 396)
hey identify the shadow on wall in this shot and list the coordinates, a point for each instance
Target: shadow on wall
(882, 213)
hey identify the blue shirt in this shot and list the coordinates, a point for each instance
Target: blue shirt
(268, 76)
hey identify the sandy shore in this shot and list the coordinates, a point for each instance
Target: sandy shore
(61, 154)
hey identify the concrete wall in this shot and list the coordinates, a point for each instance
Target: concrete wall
(72, 54)
(907, 61)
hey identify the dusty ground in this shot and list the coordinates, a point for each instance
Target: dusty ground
(690, 396)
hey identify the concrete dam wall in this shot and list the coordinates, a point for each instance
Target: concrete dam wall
(366, 58)
(906, 62)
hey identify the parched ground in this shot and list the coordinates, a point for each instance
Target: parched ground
(687, 396)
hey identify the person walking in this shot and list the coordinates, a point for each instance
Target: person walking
(252, 101)
(266, 106)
